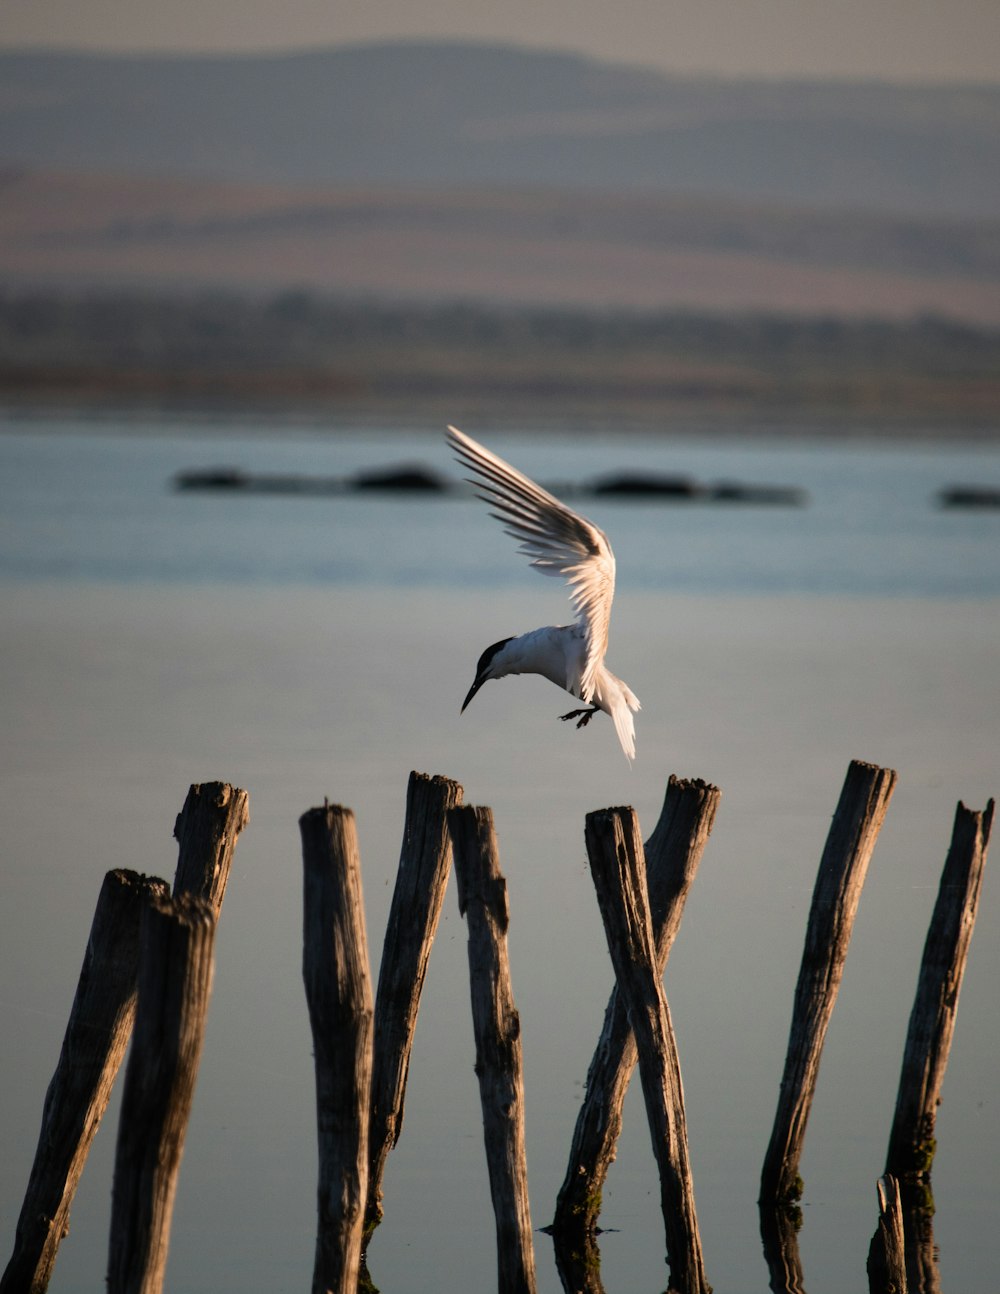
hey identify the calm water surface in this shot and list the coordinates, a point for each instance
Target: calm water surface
(310, 647)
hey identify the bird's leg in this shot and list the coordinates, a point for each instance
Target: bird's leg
(582, 715)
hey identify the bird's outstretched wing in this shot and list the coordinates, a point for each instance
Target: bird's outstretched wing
(558, 540)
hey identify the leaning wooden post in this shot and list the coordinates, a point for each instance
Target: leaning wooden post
(614, 847)
(887, 1252)
(482, 899)
(857, 821)
(673, 853)
(206, 831)
(932, 1020)
(338, 993)
(100, 1025)
(175, 977)
(421, 880)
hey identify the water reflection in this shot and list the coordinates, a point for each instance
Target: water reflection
(779, 1231)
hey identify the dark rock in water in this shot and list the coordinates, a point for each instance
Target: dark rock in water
(645, 483)
(416, 480)
(970, 496)
(212, 478)
(734, 492)
(650, 486)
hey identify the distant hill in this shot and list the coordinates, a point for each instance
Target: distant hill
(465, 115)
(589, 250)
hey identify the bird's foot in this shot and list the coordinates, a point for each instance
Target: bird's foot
(582, 715)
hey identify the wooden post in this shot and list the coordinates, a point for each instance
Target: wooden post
(578, 1261)
(100, 1025)
(421, 880)
(482, 898)
(857, 821)
(206, 830)
(175, 976)
(338, 992)
(932, 1020)
(614, 847)
(886, 1254)
(673, 853)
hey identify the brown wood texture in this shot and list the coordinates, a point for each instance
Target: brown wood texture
(673, 853)
(421, 881)
(337, 980)
(617, 865)
(843, 867)
(887, 1252)
(206, 831)
(94, 1045)
(175, 978)
(482, 893)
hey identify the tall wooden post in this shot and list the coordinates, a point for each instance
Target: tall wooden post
(614, 847)
(175, 977)
(97, 1035)
(856, 823)
(338, 992)
(421, 880)
(673, 853)
(932, 1020)
(482, 898)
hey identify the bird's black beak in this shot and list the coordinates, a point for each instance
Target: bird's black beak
(481, 679)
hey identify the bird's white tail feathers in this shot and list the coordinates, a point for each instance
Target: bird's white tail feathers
(621, 715)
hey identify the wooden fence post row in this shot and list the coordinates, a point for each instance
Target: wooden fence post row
(123, 936)
(149, 961)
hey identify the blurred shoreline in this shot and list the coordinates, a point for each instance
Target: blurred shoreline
(297, 357)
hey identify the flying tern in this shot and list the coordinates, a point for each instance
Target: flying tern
(559, 542)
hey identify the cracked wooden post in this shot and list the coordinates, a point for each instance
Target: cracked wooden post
(932, 1020)
(887, 1252)
(206, 831)
(94, 1045)
(482, 898)
(338, 992)
(175, 976)
(617, 865)
(421, 880)
(673, 853)
(857, 821)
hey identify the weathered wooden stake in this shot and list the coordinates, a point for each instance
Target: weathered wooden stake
(673, 853)
(932, 1020)
(482, 898)
(842, 870)
(338, 992)
(175, 976)
(614, 847)
(578, 1261)
(206, 831)
(421, 880)
(100, 1025)
(886, 1254)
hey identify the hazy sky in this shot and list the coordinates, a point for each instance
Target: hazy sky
(925, 39)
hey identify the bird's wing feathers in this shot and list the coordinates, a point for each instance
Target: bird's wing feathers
(556, 539)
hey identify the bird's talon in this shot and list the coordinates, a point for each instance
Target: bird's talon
(583, 716)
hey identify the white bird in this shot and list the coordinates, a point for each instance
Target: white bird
(559, 542)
